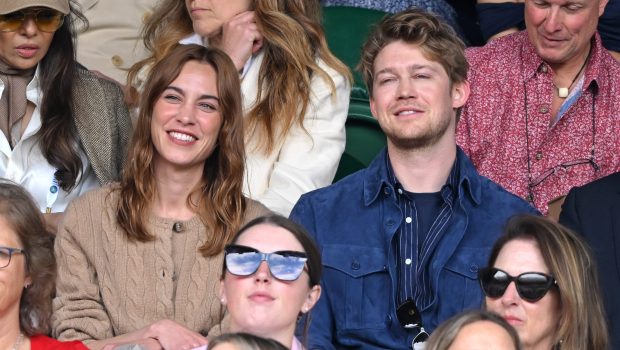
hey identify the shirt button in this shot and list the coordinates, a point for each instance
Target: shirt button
(408, 261)
(117, 61)
(543, 68)
(355, 265)
(400, 191)
(539, 155)
(473, 268)
(408, 219)
(544, 109)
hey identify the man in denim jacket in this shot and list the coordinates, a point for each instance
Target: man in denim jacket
(402, 240)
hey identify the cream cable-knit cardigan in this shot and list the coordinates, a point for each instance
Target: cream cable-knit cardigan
(108, 286)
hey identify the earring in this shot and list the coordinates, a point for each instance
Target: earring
(26, 285)
(223, 301)
(304, 309)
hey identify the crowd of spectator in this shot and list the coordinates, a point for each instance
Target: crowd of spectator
(167, 176)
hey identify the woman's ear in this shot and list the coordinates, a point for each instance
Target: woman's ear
(313, 296)
(27, 282)
(223, 293)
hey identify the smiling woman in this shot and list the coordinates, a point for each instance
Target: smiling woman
(27, 274)
(138, 261)
(295, 92)
(64, 131)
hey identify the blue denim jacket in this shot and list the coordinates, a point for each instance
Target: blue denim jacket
(354, 222)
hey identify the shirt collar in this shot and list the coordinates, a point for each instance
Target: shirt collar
(379, 177)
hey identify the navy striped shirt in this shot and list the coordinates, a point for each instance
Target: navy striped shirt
(418, 235)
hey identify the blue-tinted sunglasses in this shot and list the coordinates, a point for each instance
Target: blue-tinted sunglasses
(285, 265)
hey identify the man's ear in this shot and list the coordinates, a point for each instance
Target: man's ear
(601, 7)
(373, 107)
(313, 296)
(460, 94)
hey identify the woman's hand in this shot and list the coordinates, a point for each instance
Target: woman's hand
(241, 38)
(173, 336)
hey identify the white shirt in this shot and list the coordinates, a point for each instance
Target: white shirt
(305, 159)
(26, 165)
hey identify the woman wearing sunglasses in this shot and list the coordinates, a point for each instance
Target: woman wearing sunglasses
(542, 280)
(27, 274)
(139, 261)
(63, 130)
(270, 278)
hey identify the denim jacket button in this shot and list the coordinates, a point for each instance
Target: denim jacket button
(387, 191)
(473, 268)
(389, 222)
(355, 265)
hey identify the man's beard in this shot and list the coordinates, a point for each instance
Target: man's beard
(418, 142)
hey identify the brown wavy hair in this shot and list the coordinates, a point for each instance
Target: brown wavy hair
(221, 205)
(293, 40)
(437, 40)
(582, 322)
(22, 215)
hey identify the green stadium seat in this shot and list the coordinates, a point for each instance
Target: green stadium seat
(364, 139)
(346, 29)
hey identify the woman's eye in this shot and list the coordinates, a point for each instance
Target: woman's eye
(172, 98)
(207, 107)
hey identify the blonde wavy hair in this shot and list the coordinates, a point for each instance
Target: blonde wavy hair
(221, 205)
(293, 40)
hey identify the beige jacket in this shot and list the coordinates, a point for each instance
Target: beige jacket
(112, 42)
(109, 286)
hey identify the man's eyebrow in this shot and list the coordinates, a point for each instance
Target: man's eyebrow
(411, 68)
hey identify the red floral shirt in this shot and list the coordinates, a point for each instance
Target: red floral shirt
(503, 136)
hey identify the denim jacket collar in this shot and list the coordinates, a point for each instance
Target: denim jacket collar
(376, 178)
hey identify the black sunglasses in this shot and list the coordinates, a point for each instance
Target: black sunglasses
(285, 265)
(531, 286)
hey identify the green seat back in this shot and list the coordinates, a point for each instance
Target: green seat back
(364, 139)
(346, 29)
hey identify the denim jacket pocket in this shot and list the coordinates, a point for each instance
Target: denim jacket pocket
(458, 281)
(359, 285)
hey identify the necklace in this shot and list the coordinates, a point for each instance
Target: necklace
(563, 91)
(18, 342)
